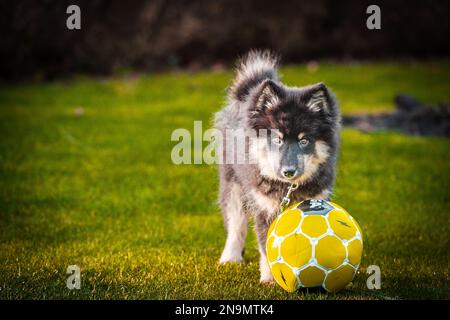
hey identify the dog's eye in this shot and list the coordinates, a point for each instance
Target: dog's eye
(303, 142)
(278, 141)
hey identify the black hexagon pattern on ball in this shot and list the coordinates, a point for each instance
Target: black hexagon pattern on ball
(315, 207)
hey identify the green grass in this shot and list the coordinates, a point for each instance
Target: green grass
(100, 191)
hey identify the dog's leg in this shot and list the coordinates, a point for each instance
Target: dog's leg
(235, 219)
(261, 228)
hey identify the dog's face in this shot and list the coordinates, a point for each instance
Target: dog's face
(302, 122)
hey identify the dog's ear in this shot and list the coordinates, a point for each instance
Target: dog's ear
(269, 95)
(319, 98)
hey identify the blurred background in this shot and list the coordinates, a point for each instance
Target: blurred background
(165, 34)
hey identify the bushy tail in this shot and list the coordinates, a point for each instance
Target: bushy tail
(252, 69)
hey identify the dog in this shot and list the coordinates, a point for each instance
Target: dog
(302, 146)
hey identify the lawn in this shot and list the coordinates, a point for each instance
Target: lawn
(86, 179)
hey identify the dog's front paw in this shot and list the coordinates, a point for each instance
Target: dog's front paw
(230, 257)
(267, 279)
(230, 260)
(266, 274)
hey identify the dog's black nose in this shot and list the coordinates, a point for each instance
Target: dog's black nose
(289, 173)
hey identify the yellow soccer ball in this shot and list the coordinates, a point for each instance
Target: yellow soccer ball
(314, 243)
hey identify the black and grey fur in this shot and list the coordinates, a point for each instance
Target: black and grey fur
(307, 121)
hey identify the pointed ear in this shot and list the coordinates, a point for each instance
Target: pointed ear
(319, 98)
(269, 95)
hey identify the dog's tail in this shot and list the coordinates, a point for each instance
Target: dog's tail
(252, 69)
